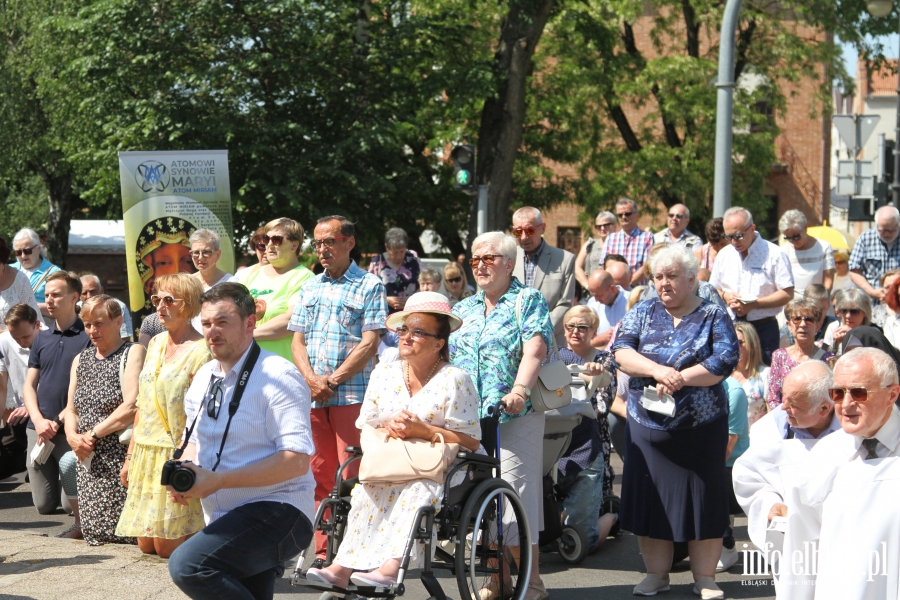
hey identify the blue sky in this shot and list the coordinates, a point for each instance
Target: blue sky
(889, 42)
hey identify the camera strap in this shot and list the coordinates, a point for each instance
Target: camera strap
(232, 405)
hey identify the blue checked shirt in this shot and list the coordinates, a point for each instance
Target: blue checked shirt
(635, 247)
(531, 264)
(873, 258)
(332, 314)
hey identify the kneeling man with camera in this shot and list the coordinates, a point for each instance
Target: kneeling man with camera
(245, 455)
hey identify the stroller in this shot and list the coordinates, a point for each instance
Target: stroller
(570, 540)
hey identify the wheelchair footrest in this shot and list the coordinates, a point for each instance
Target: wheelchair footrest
(299, 580)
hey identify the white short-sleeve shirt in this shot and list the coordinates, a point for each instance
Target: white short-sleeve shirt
(765, 271)
(609, 315)
(809, 266)
(14, 362)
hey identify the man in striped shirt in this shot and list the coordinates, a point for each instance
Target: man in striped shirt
(631, 241)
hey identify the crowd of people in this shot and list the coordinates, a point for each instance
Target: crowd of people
(712, 349)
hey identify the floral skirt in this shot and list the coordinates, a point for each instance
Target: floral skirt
(149, 512)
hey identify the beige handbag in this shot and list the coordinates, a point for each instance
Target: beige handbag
(391, 460)
(552, 390)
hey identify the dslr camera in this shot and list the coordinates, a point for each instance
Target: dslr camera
(180, 478)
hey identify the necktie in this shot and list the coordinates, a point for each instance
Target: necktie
(870, 445)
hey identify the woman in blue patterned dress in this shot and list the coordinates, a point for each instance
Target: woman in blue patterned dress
(675, 487)
(502, 351)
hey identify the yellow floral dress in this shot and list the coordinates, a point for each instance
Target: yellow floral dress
(381, 515)
(149, 512)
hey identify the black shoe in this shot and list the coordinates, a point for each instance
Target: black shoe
(319, 563)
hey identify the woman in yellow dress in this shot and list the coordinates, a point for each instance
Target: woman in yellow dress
(173, 358)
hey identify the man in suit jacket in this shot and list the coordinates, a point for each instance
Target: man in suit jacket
(543, 267)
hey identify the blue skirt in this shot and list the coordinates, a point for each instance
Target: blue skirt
(674, 485)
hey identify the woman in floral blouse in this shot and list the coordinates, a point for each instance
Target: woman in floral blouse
(398, 267)
(674, 485)
(505, 335)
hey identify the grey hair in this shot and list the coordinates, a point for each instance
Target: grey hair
(792, 219)
(532, 212)
(854, 298)
(884, 366)
(205, 235)
(890, 211)
(27, 233)
(432, 274)
(739, 210)
(687, 211)
(396, 237)
(675, 254)
(817, 384)
(503, 243)
(94, 277)
(606, 214)
(624, 201)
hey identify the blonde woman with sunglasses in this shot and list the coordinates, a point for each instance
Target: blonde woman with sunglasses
(173, 357)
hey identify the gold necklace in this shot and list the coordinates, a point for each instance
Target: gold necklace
(177, 344)
(424, 383)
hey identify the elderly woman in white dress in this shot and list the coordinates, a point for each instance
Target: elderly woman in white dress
(416, 397)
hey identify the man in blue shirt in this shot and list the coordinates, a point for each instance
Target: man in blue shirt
(47, 386)
(27, 248)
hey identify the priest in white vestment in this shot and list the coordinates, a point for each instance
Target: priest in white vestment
(780, 442)
(850, 498)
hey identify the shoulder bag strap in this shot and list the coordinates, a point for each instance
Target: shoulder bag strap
(40, 280)
(519, 323)
(159, 410)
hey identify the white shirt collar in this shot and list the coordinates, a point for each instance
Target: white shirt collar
(889, 434)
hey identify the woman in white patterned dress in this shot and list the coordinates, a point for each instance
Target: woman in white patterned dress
(415, 397)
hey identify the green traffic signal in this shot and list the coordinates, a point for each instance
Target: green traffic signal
(463, 178)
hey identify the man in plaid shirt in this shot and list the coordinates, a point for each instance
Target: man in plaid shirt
(876, 252)
(631, 241)
(338, 322)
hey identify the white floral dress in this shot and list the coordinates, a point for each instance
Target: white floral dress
(382, 514)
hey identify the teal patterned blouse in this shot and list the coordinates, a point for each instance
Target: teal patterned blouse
(489, 348)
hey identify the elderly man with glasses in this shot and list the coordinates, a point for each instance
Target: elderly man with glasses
(631, 241)
(31, 261)
(875, 253)
(753, 277)
(539, 265)
(677, 230)
(843, 499)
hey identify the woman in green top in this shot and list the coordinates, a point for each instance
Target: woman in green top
(276, 286)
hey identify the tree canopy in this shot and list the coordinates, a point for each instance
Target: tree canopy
(351, 106)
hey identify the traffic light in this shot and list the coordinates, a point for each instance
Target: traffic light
(464, 168)
(887, 162)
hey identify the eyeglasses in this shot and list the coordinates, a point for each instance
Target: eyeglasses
(793, 238)
(214, 396)
(796, 320)
(736, 236)
(578, 328)
(487, 259)
(328, 242)
(25, 251)
(625, 215)
(415, 334)
(203, 253)
(677, 216)
(529, 231)
(276, 240)
(853, 312)
(167, 300)
(602, 225)
(454, 280)
(887, 230)
(859, 394)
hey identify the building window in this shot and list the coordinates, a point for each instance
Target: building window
(569, 239)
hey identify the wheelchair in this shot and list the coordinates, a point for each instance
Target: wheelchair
(470, 526)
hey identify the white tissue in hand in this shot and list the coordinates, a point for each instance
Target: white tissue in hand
(40, 453)
(653, 401)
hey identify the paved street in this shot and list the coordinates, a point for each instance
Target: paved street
(45, 568)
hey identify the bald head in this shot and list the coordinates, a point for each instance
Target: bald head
(887, 221)
(621, 274)
(602, 287)
(679, 217)
(805, 396)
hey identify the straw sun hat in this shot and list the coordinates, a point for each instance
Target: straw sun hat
(424, 302)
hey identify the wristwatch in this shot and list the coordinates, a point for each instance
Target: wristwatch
(94, 434)
(58, 422)
(524, 387)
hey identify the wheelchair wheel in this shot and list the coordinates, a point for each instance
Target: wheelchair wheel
(573, 545)
(483, 551)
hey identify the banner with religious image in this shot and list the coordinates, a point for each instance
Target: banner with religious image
(166, 196)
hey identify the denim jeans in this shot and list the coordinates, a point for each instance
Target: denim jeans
(240, 555)
(583, 498)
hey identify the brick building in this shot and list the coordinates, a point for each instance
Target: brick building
(799, 179)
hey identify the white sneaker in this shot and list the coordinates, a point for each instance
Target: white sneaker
(728, 559)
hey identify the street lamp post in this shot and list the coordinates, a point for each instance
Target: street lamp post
(878, 9)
